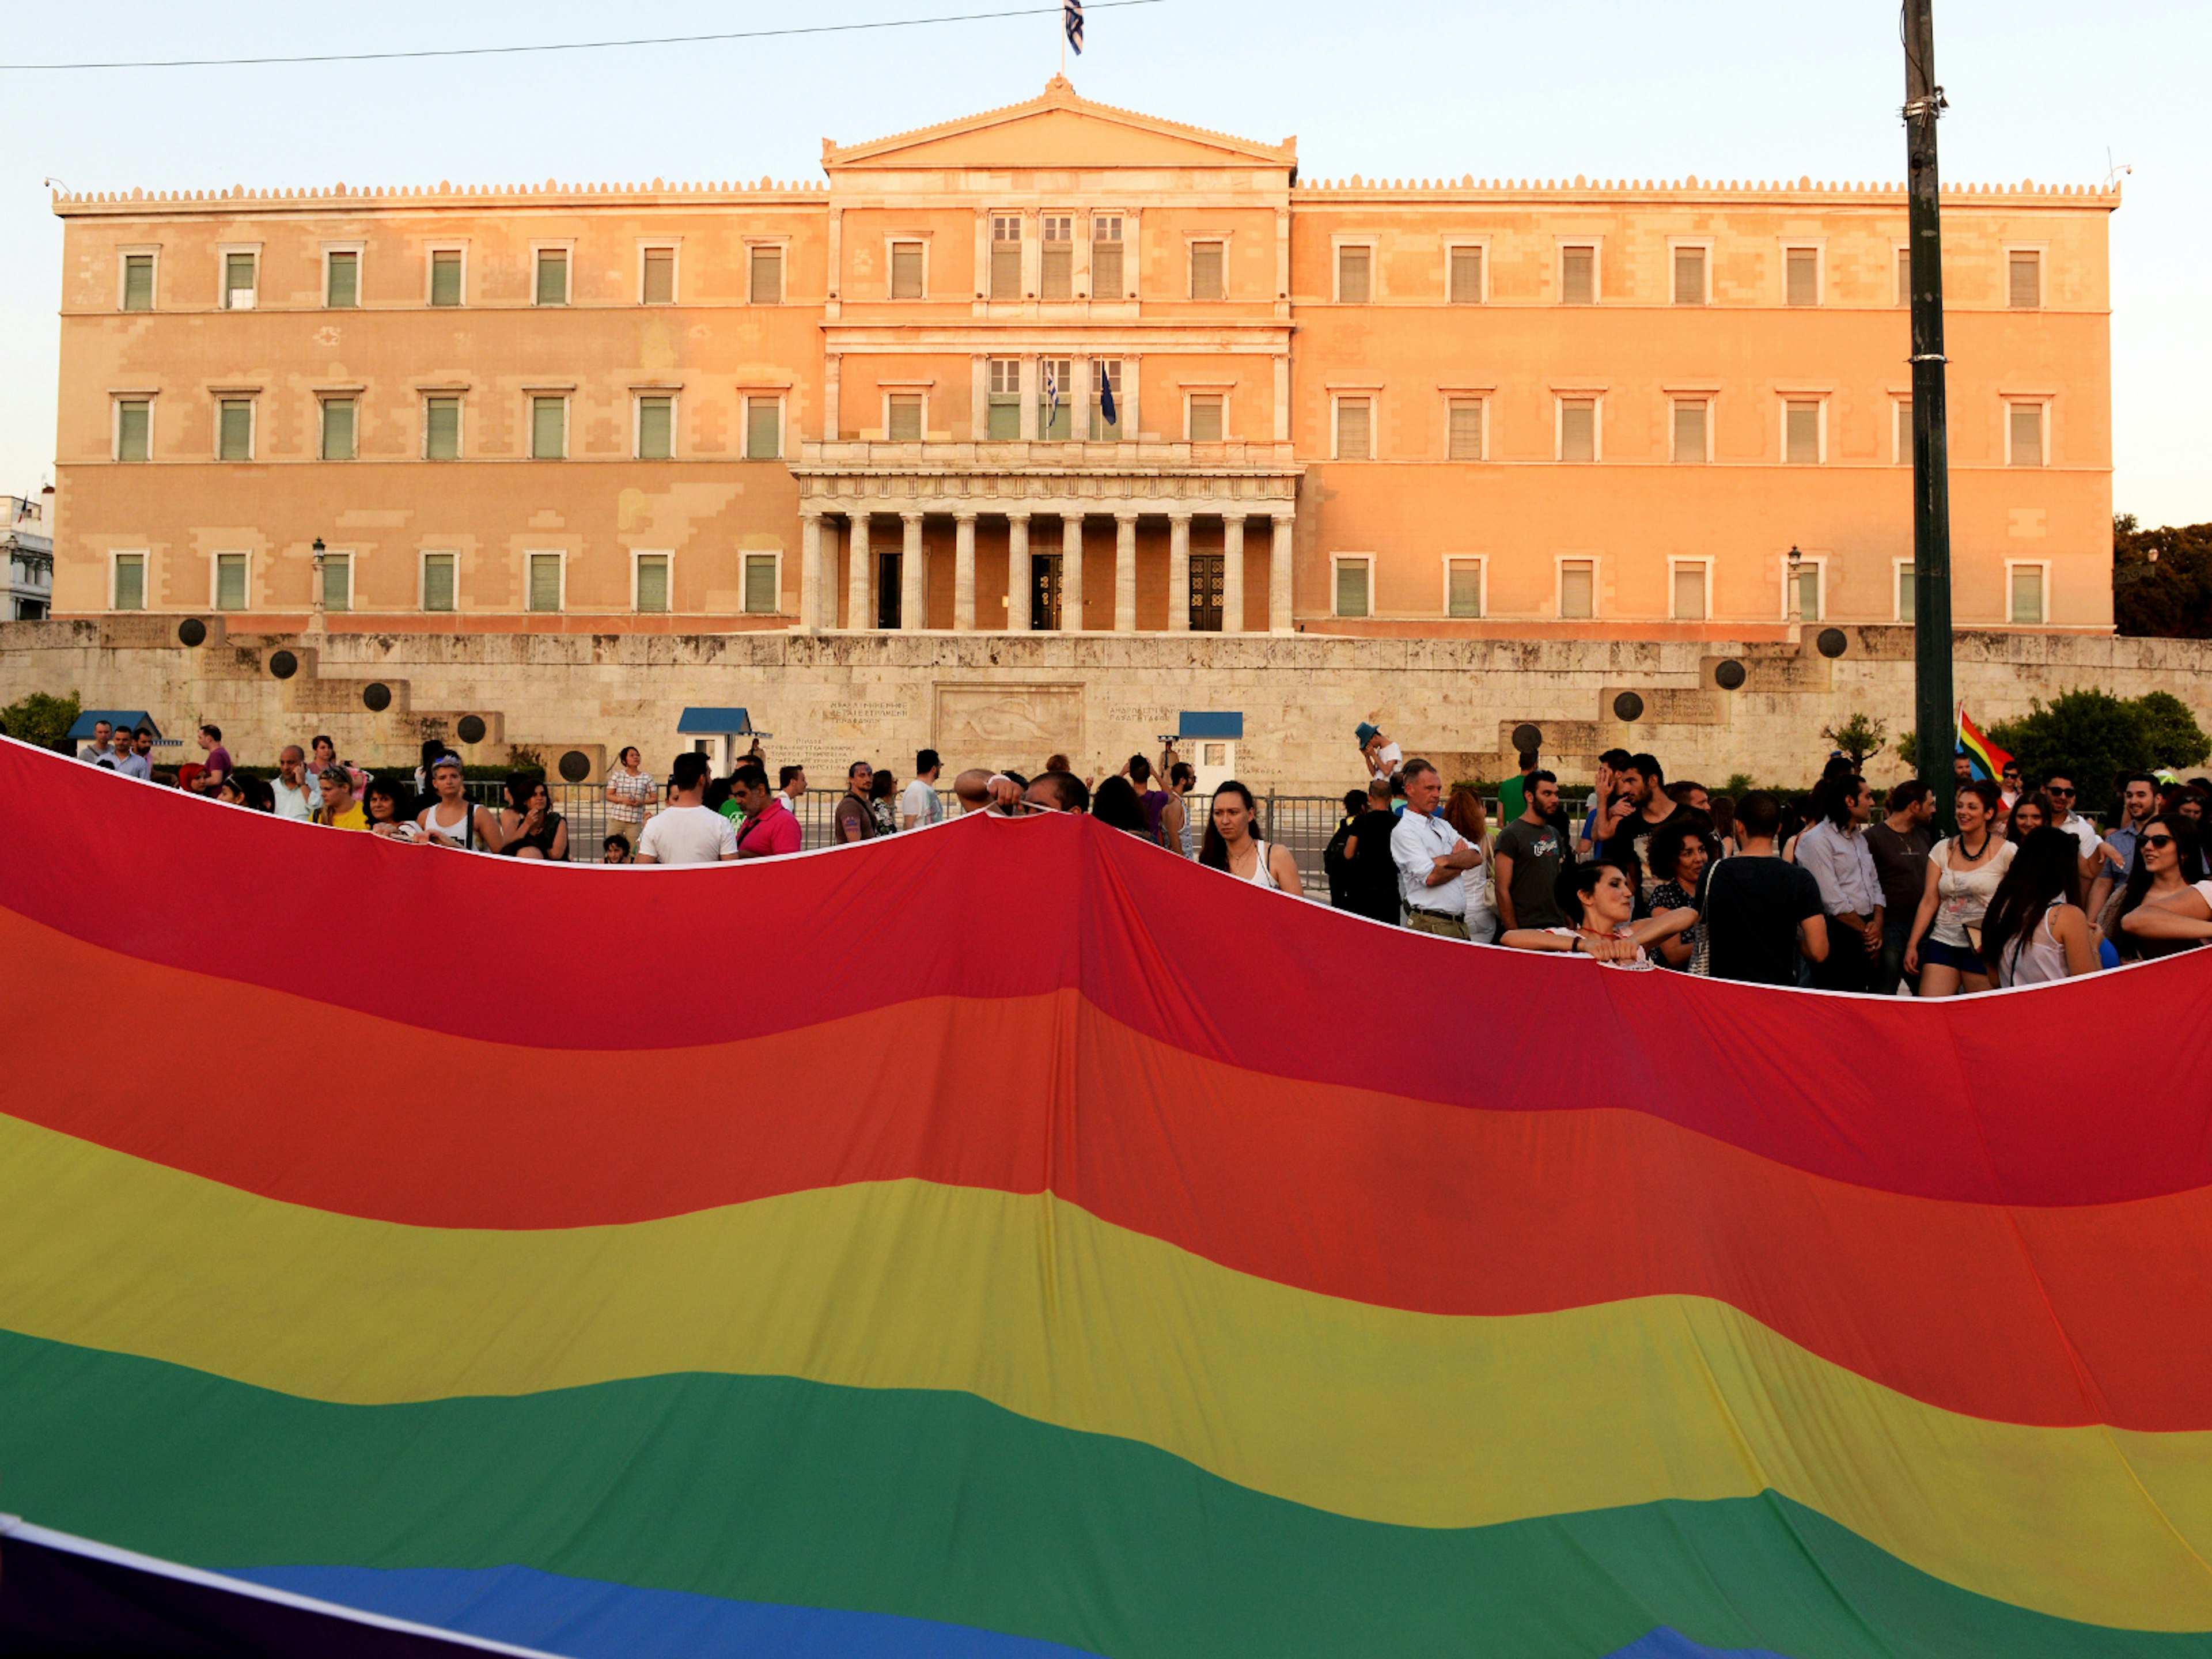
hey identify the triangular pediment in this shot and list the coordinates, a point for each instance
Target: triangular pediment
(1059, 129)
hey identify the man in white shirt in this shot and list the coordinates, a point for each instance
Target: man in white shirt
(919, 806)
(687, 830)
(1431, 856)
(298, 795)
(2060, 789)
(791, 787)
(1384, 757)
(1835, 853)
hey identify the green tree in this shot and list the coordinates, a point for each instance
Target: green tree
(2091, 737)
(1908, 750)
(2174, 737)
(39, 719)
(1857, 737)
(2162, 579)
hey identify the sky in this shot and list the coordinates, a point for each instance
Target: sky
(1414, 88)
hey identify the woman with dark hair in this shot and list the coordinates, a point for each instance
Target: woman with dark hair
(1230, 845)
(631, 792)
(2167, 904)
(432, 748)
(1681, 852)
(1115, 806)
(883, 800)
(2034, 931)
(2040, 814)
(1724, 827)
(391, 812)
(1963, 873)
(1599, 901)
(260, 794)
(528, 825)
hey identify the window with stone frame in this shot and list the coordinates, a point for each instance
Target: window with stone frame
(1106, 257)
(1057, 257)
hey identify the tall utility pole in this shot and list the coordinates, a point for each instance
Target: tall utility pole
(1934, 710)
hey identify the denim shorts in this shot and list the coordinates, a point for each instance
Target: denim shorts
(1934, 953)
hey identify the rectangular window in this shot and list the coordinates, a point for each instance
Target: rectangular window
(1355, 274)
(1801, 278)
(544, 581)
(1207, 422)
(1905, 275)
(338, 581)
(1056, 266)
(763, 429)
(1908, 595)
(134, 429)
(2025, 290)
(906, 271)
(1903, 454)
(1355, 435)
(1007, 256)
(1690, 593)
(238, 285)
(761, 598)
(1578, 428)
(130, 582)
(2027, 594)
(338, 428)
(1005, 418)
(1801, 426)
(659, 276)
(1578, 589)
(1206, 272)
(439, 585)
(342, 279)
(1805, 592)
(653, 581)
(1056, 398)
(230, 581)
(1690, 429)
(445, 276)
(1467, 276)
(1105, 372)
(2026, 445)
(1578, 276)
(442, 428)
(234, 435)
(1106, 257)
(552, 277)
(137, 282)
(1463, 587)
(902, 417)
(1463, 438)
(656, 428)
(549, 429)
(1689, 276)
(765, 287)
(1351, 587)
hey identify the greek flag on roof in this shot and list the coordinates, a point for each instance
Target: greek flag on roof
(1073, 16)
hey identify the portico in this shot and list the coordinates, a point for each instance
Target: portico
(1046, 508)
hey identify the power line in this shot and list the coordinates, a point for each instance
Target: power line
(569, 45)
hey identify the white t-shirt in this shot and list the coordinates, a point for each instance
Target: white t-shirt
(688, 835)
(1388, 759)
(2083, 831)
(919, 801)
(298, 802)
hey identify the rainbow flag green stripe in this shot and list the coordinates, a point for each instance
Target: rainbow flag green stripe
(939, 1505)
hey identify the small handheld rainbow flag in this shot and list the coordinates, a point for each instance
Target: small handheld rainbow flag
(1984, 757)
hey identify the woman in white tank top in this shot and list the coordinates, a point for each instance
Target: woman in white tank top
(2033, 931)
(453, 819)
(1231, 846)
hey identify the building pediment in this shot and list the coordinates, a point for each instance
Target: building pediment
(1059, 129)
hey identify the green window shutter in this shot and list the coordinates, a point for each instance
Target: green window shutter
(438, 583)
(1205, 272)
(906, 271)
(1467, 276)
(1207, 420)
(552, 277)
(1355, 268)
(1578, 276)
(446, 278)
(1578, 589)
(344, 284)
(766, 288)
(134, 430)
(237, 438)
(659, 275)
(237, 279)
(2025, 288)
(763, 429)
(549, 429)
(338, 429)
(337, 582)
(1005, 418)
(2028, 595)
(1689, 592)
(1690, 431)
(138, 281)
(1354, 441)
(651, 581)
(1908, 595)
(905, 418)
(1464, 595)
(1689, 276)
(1804, 277)
(656, 428)
(2027, 434)
(1106, 270)
(1802, 423)
(131, 582)
(1352, 588)
(1905, 275)
(1465, 431)
(230, 581)
(761, 598)
(441, 429)
(544, 581)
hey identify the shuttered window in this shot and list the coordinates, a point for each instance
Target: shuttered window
(653, 581)
(1463, 587)
(438, 583)
(1807, 593)
(1578, 589)
(442, 428)
(659, 276)
(1908, 594)
(1800, 432)
(656, 428)
(137, 282)
(1205, 271)
(130, 582)
(552, 277)
(1056, 398)
(1355, 439)
(1056, 267)
(445, 276)
(1207, 422)
(1106, 257)
(1355, 270)
(1578, 428)
(544, 581)
(1903, 454)
(2025, 290)
(1578, 276)
(134, 429)
(1689, 276)
(1465, 441)
(906, 271)
(902, 419)
(764, 287)
(338, 581)
(763, 429)
(1005, 419)
(342, 281)
(2027, 593)
(237, 280)
(1351, 587)
(549, 429)
(1007, 256)
(761, 598)
(1690, 593)
(338, 428)
(1802, 275)
(1905, 275)
(2027, 434)
(234, 439)
(1690, 428)
(1467, 276)
(230, 581)
(1105, 372)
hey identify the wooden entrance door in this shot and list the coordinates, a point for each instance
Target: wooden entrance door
(1206, 581)
(1044, 592)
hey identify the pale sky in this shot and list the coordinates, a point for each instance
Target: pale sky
(1403, 87)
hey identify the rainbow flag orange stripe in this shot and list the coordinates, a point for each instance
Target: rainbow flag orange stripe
(958, 1246)
(1984, 758)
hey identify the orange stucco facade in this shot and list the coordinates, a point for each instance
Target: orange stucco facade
(1433, 406)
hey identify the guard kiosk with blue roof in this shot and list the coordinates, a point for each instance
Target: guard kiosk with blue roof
(1208, 739)
(715, 732)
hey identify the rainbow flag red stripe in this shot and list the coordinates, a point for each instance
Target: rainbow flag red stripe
(1013, 1240)
(1984, 758)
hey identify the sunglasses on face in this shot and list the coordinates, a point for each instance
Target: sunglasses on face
(2058, 794)
(2157, 840)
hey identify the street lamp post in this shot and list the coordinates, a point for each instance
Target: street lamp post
(316, 624)
(1931, 480)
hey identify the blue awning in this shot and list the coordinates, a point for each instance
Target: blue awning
(1204, 724)
(715, 723)
(133, 718)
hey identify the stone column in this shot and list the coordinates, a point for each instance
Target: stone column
(1125, 572)
(809, 570)
(1078, 399)
(1279, 574)
(1126, 398)
(1070, 572)
(1232, 574)
(1019, 575)
(1029, 383)
(860, 580)
(963, 572)
(914, 577)
(1179, 573)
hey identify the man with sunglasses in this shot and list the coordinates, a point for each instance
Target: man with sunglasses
(2060, 789)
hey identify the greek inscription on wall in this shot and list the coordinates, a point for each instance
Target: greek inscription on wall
(864, 713)
(1148, 716)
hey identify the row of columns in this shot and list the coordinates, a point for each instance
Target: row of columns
(818, 576)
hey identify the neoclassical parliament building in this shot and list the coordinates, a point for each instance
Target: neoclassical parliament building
(1062, 366)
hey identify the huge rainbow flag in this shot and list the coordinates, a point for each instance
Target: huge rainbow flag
(1012, 1241)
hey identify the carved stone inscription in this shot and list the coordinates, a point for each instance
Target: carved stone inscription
(1009, 724)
